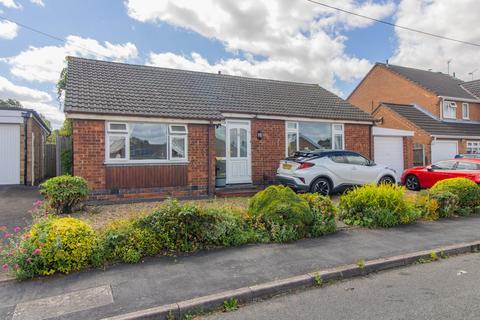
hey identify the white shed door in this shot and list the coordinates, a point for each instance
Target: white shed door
(443, 150)
(9, 154)
(389, 151)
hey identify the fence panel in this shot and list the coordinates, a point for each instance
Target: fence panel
(50, 161)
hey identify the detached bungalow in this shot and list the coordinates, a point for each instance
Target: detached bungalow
(148, 132)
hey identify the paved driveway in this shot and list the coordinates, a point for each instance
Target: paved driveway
(15, 202)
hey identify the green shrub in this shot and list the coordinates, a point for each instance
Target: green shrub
(123, 240)
(428, 206)
(65, 193)
(187, 228)
(377, 206)
(66, 161)
(51, 245)
(324, 212)
(285, 215)
(447, 202)
(467, 191)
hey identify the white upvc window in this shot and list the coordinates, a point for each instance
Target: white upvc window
(473, 147)
(465, 111)
(144, 142)
(449, 110)
(310, 135)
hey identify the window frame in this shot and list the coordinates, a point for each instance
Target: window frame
(473, 145)
(294, 127)
(127, 134)
(465, 107)
(453, 106)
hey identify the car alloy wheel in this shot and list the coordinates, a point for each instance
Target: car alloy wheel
(411, 182)
(322, 186)
(386, 180)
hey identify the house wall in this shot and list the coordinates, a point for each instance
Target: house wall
(473, 107)
(383, 85)
(267, 153)
(113, 182)
(124, 181)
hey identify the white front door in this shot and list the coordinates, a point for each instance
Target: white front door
(238, 152)
(9, 154)
(444, 150)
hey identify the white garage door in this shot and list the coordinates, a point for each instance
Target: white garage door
(389, 151)
(9, 154)
(443, 150)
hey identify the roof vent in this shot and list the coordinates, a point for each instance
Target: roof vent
(219, 72)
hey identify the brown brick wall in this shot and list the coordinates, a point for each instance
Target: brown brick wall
(407, 152)
(89, 151)
(473, 107)
(198, 135)
(358, 138)
(267, 153)
(383, 85)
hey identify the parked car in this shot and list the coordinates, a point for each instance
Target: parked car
(328, 171)
(425, 177)
(468, 156)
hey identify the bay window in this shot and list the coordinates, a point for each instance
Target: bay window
(145, 142)
(449, 110)
(308, 136)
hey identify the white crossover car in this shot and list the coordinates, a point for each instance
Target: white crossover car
(328, 171)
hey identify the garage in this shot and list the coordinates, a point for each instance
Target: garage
(21, 156)
(388, 147)
(443, 150)
(10, 155)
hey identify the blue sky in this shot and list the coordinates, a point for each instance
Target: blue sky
(339, 49)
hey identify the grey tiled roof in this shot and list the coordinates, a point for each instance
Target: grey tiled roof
(115, 88)
(432, 125)
(473, 87)
(440, 83)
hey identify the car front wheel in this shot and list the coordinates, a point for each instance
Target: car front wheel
(412, 183)
(322, 186)
(386, 180)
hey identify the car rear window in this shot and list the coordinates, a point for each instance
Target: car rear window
(465, 165)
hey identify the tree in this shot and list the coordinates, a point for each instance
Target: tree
(10, 103)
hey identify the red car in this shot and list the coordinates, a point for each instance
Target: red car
(425, 177)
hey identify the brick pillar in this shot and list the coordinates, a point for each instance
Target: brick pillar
(407, 152)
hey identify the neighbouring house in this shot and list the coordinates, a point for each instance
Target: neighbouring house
(142, 131)
(441, 110)
(23, 135)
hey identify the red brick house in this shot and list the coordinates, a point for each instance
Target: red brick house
(141, 131)
(443, 111)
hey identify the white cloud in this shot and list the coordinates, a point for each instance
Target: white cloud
(9, 90)
(8, 30)
(44, 64)
(10, 4)
(35, 99)
(38, 2)
(454, 19)
(281, 39)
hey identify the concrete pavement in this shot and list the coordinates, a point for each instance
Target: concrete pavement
(447, 289)
(164, 280)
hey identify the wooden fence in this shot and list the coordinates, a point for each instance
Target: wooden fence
(50, 160)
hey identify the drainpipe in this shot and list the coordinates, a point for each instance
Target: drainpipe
(25, 116)
(209, 155)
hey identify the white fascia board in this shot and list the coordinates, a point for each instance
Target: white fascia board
(459, 99)
(380, 131)
(120, 118)
(11, 116)
(455, 137)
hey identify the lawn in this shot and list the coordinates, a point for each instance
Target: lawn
(101, 215)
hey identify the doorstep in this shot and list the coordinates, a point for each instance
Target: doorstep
(238, 190)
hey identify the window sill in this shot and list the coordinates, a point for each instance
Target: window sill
(146, 163)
